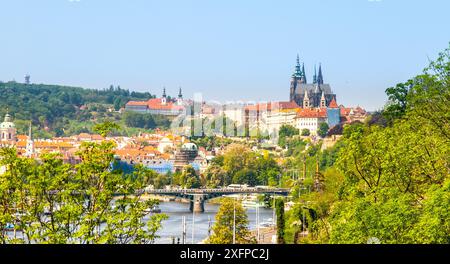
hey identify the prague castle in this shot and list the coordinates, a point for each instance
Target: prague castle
(309, 95)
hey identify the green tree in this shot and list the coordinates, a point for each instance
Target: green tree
(50, 105)
(279, 206)
(397, 104)
(91, 202)
(189, 178)
(323, 130)
(106, 128)
(286, 131)
(305, 132)
(245, 176)
(216, 176)
(231, 219)
(388, 178)
(237, 157)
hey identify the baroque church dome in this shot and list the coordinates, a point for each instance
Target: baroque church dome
(7, 123)
(189, 147)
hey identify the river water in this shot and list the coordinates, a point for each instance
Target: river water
(173, 227)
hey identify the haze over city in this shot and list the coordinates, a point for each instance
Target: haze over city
(233, 50)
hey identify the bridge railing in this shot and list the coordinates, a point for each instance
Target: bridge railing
(221, 190)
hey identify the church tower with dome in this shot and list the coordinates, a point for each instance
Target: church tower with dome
(7, 129)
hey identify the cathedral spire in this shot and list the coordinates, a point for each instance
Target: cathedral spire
(180, 94)
(320, 76)
(315, 75)
(304, 73)
(298, 70)
(164, 92)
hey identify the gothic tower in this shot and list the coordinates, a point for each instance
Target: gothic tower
(315, 94)
(320, 76)
(297, 78)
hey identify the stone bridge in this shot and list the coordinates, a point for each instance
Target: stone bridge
(198, 197)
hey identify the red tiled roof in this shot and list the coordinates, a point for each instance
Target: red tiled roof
(288, 105)
(333, 103)
(345, 111)
(155, 104)
(259, 107)
(272, 106)
(312, 113)
(22, 137)
(137, 103)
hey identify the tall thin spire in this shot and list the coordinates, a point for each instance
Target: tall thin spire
(180, 94)
(298, 70)
(29, 148)
(304, 73)
(30, 136)
(164, 92)
(315, 75)
(320, 76)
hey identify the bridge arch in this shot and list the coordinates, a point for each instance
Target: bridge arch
(198, 197)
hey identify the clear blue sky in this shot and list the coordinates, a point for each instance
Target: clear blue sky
(228, 50)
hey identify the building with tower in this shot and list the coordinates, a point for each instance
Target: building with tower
(159, 106)
(7, 130)
(309, 95)
(27, 79)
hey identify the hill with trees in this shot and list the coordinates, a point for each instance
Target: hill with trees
(57, 110)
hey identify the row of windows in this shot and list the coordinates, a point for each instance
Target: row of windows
(308, 124)
(6, 136)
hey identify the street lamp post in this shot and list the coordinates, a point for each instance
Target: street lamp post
(234, 221)
(193, 221)
(183, 220)
(257, 223)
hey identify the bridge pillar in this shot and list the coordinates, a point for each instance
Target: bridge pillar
(197, 203)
